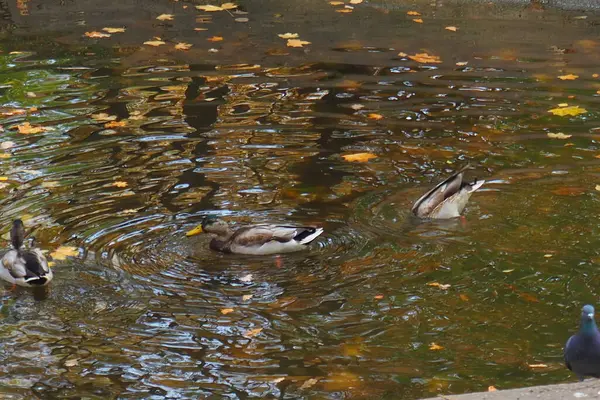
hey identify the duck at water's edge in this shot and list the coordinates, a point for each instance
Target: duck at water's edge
(256, 239)
(448, 199)
(582, 351)
(24, 267)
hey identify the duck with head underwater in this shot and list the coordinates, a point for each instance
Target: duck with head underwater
(24, 267)
(448, 198)
(256, 239)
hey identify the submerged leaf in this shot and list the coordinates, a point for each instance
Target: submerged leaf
(63, 252)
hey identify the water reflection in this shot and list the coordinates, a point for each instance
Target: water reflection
(133, 153)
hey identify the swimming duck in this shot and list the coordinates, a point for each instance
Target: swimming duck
(256, 239)
(448, 199)
(24, 267)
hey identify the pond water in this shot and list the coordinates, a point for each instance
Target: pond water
(130, 145)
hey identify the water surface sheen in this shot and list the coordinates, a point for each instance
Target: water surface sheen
(139, 143)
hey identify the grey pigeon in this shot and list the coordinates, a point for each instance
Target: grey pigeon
(447, 199)
(582, 351)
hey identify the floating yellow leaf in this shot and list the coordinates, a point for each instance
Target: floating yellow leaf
(563, 104)
(344, 10)
(113, 30)
(425, 58)
(51, 264)
(27, 128)
(63, 252)
(336, 3)
(3, 178)
(356, 1)
(226, 311)
(228, 6)
(418, 20)
(359, 157)
(571, 110)
(569, 77)
(96, 34)
(451, 28)
(309, 383)
(375, 116)
(182, 46)
(296, 43)
(103, 117)
(4, 155)
(595, 75)
(413, 13)
(491, 389)
(215, 39)
(597, 188)
(211, 8)
(247, 297)
(194, 231)
(434, 346)
(115, 124)
(462, 63)
(120, 184)
(558, 135)
(252, 332)
(165, 17)
(537, 365)
(440, 285)
(288, 35)
(154, 43)
(402, 54)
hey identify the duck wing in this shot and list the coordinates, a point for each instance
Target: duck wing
(436, 196)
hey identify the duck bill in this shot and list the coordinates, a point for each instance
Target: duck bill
(194, 231)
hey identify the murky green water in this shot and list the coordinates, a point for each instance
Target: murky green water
(139, 143)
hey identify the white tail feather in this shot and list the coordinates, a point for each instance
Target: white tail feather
(312, 237)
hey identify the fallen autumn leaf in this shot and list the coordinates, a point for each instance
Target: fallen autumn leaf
(288, 35)
(182, 46)
(569, 77)
(113, 30)
(564, 111)
(96, 34)
(165, 17)
(296, 43)
(558, 135)
(359, 157)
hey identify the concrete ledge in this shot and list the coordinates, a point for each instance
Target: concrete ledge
(589, 389)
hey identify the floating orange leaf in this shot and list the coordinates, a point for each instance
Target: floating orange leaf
(115, 124)
(296, 43)
(113, 30)
(451, 28)
(359, 157)
(413, 13)
(26, 128)
(595, 75)
(226, 311)
(252, 332)
(425, 58)
(375, 116)
(182, 46)
(96, 34)
(165, 17)
(379, 297)
(418, 20)
(228, 6)
(336, 3)
(571, 110)
(120, 184)
(344, 10)
(215, 39)
(491, 389)
(569, 77)
(434, 346)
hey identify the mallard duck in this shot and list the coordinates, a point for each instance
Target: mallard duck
(448, 199)
(256, 239)
(24, 267)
